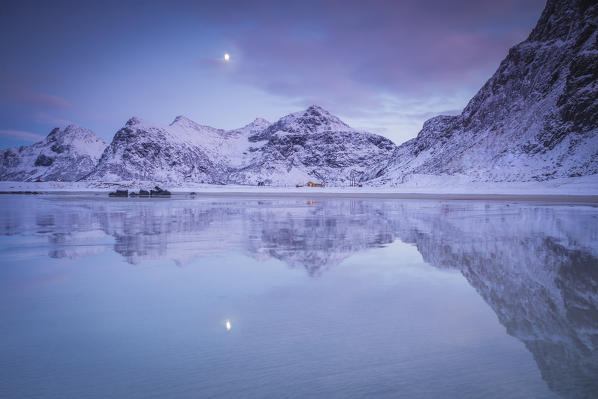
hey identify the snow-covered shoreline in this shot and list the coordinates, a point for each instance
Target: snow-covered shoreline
(424, 186)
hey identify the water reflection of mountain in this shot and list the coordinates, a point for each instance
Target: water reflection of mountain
(303, 234)
(535, 265)
(316, 236)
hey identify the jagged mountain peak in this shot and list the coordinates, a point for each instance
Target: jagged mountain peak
(69, 130)
(134, 121)
(74, 128)
(259, 122)
(561, 17)
(182, 122)
(257, 126)
(315, 119)
(180, 119)
(84, 139)
(316, 109)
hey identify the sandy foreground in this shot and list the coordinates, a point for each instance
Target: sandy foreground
(578, 189)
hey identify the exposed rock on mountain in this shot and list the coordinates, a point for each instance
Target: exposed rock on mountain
(536, 118)
(67, 154)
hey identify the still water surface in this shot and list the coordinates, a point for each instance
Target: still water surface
(263, 298)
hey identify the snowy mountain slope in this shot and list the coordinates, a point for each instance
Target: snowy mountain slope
(536, 118)
(66, 154)
(313, 145)
(237, 148)
(230, 147)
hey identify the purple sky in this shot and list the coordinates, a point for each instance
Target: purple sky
(382, 66)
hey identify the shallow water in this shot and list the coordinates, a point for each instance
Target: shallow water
(190, 298)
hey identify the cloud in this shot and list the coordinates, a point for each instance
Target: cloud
(17, 89)
(44, 117)
(36, 99)
(20, 134)
(347, 47)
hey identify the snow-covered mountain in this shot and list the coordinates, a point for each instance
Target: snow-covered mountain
(313, 145)
(536, 118)
(307, 145)
(184, 151)
(68, 154)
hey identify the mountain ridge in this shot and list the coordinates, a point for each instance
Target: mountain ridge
(306, 145)
(536, 118)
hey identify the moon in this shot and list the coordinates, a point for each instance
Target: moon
(226, 57)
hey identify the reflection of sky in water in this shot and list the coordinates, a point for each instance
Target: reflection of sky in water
(337, 299)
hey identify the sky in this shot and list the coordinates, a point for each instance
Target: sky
(381, 66)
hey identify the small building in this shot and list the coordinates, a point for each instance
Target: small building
(312, 184)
